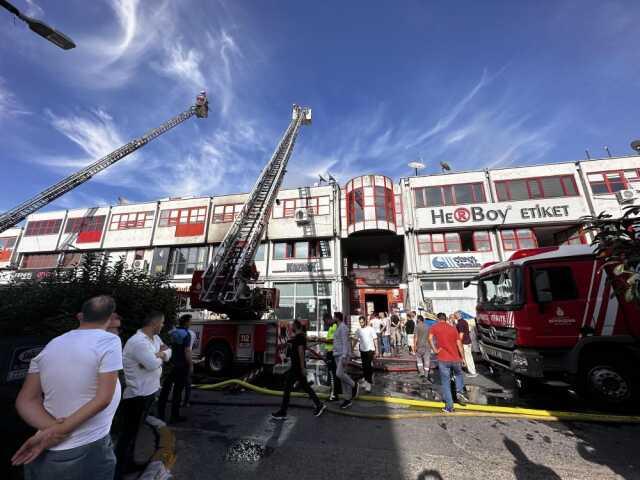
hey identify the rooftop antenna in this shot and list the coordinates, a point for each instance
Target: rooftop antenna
(445, 167)
(635, 145)
(588, 154)
(416, 166)
(322, 179)
(331, 179)
(123, 201)
(607, 150)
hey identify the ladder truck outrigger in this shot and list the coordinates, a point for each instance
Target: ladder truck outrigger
(227, 285)
(19, 213)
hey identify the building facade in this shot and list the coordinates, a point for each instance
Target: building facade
(370, 245)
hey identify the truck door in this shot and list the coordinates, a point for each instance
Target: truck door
(559, 292)
(245, 343)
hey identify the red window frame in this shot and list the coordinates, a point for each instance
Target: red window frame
(538, 181)
(131, 220)
(606, 181)
(426, 241)
(43, 227)
(191, 215)
(518, 238)
(31, 261)
(85, 224)
(229, 213)
(290, 205)
(477, 191)
(290, 253)
(378, 200)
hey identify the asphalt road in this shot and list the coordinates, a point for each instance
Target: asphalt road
(338, 447)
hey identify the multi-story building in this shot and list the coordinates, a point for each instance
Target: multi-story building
(371, 245)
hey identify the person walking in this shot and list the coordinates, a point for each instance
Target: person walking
(465, 336)
(385, 331)
(70, 396)
(342, 354)
(422, 349)
(376, 324)
(297, 373)
(445, 342)
(143, 356)
(187, 386)
(409, 328)
(336, 385)
(366, 336)
(182, 365)
(396, 337)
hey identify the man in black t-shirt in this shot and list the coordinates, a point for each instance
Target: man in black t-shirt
(297, 373)
(410, 327)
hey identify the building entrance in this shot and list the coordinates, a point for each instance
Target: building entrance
(376, 303)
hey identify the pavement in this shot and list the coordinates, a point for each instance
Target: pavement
(231, 435)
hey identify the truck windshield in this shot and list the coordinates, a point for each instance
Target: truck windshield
(501, 289)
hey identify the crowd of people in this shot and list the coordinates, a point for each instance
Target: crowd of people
(83, 378)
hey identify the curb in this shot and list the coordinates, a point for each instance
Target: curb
(162, 461)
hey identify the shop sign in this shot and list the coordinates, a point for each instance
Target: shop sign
(302, 267)
(6, 276)
(20, 362)
(455, 262)
(31, 275)
(482, 214)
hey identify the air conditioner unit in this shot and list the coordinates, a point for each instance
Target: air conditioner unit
(140, 264)
(626, 196)
(302, 216)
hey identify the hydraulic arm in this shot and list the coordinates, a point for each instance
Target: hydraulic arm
(19, 213)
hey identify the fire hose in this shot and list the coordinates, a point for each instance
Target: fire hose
(469, 410)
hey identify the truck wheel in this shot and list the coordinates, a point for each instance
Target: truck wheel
(219, 359)
(607, 381)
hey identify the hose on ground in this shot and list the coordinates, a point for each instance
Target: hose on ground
(468, 410)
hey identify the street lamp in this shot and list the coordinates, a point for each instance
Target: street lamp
(41, 28)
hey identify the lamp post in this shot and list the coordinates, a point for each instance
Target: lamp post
(41, 28)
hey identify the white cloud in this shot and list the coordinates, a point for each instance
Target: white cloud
(9, 104)
(185, 65)
(34, 10)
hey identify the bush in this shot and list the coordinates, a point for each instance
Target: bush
(48, 307)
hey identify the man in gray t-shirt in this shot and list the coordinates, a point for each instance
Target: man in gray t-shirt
(421, 347)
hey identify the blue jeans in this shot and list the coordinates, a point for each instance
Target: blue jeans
(445, 380)
(386, 344)
(94, 461)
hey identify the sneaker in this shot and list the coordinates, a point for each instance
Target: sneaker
(355, 392)
(333, 398)
(447, 410)
(346, 404)
(319, 410)
(462, 399)
(279, 415)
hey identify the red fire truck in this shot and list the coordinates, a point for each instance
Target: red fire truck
(552, 314)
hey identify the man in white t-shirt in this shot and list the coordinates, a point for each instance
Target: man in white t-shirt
(142, 357)
(367, 337)
(375, 322)
(77, 373)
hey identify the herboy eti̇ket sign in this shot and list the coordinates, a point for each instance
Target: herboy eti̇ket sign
(440, 216)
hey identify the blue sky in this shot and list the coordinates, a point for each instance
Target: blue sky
(475, 84)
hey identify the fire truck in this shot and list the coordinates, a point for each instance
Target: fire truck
(552, 314)
(250, 332)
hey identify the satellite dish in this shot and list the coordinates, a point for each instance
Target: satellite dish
(635, 145)
(445, 166)
(416, 166)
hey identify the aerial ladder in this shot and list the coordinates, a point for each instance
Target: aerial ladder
(19, 213)
(226, 285)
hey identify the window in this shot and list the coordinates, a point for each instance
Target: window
(126, 221)
(260, 252)
(444, 195)
(138, 255)
(184, 261)
(226, 213)
(554, 283)
(569, 237)
(42, 227)
(439, 243)
(313, 205)
(304, 301)
(518, 239)
(301, 249)
(441, 285)
(85, 224)
(533, 188)
(7, 243)
(481, 242)
(355, 206)
(40, 260)
(70, 260)
(180, 216)
(373, 199)
(613, 181)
